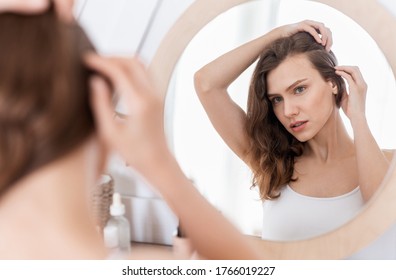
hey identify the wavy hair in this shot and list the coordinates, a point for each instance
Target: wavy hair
(273, 149)
(44, 102)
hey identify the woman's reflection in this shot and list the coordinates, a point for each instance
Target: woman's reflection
(312, 176)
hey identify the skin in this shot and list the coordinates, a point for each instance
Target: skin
(46, 212)
(296, 90)
(21, 6)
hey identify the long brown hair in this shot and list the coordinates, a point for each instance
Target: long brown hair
(273, 149)
(44, 102)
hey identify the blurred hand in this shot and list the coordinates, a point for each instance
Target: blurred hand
(139, 137)
(23, 6)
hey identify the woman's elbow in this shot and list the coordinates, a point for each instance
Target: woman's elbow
(201, 83)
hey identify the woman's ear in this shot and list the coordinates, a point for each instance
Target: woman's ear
(334, 87)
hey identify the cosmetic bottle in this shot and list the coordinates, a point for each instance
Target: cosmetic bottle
(116, 233)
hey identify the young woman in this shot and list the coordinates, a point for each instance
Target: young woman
(312, 176)
(53, 146)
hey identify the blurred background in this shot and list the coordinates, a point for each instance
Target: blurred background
(130, 27)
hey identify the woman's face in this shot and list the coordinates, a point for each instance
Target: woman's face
(302, 100)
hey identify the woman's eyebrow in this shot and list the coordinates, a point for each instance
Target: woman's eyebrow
(289, 87)
(295, 83)
(271, 94)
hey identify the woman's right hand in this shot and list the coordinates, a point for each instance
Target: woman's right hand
(23, 6)
(139, 137)
(318, 30)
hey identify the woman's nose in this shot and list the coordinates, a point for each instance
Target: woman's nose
(290, 109)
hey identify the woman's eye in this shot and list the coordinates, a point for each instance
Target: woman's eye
(299, 90)
(276, 100)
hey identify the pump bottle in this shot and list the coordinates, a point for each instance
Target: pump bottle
(117, 232)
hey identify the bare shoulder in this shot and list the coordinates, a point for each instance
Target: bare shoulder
(388, 153)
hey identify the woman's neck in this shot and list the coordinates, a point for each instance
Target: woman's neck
(332, 142)
(46, 214)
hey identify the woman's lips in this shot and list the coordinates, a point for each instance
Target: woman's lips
(298, 126)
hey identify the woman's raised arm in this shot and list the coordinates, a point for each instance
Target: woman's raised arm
(372, 163)
(140, 139)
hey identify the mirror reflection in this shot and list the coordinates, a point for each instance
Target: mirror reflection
(218, 172)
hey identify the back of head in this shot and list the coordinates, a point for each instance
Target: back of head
(272, 148)
(44, 102)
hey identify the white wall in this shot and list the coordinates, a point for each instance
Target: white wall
(117, 26)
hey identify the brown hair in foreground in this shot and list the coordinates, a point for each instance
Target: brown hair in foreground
(44, 102)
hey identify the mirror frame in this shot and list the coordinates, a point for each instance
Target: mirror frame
(380, 212)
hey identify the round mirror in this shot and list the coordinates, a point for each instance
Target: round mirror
(222, 178)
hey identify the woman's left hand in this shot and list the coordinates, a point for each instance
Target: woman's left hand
(354, 101)
(318, 31)
(24, 6)
(139, 138)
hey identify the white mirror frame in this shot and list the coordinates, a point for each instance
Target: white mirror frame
(380, 212)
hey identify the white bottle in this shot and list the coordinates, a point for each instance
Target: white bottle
(116, 232)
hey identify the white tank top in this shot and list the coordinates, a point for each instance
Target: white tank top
(294, 216)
